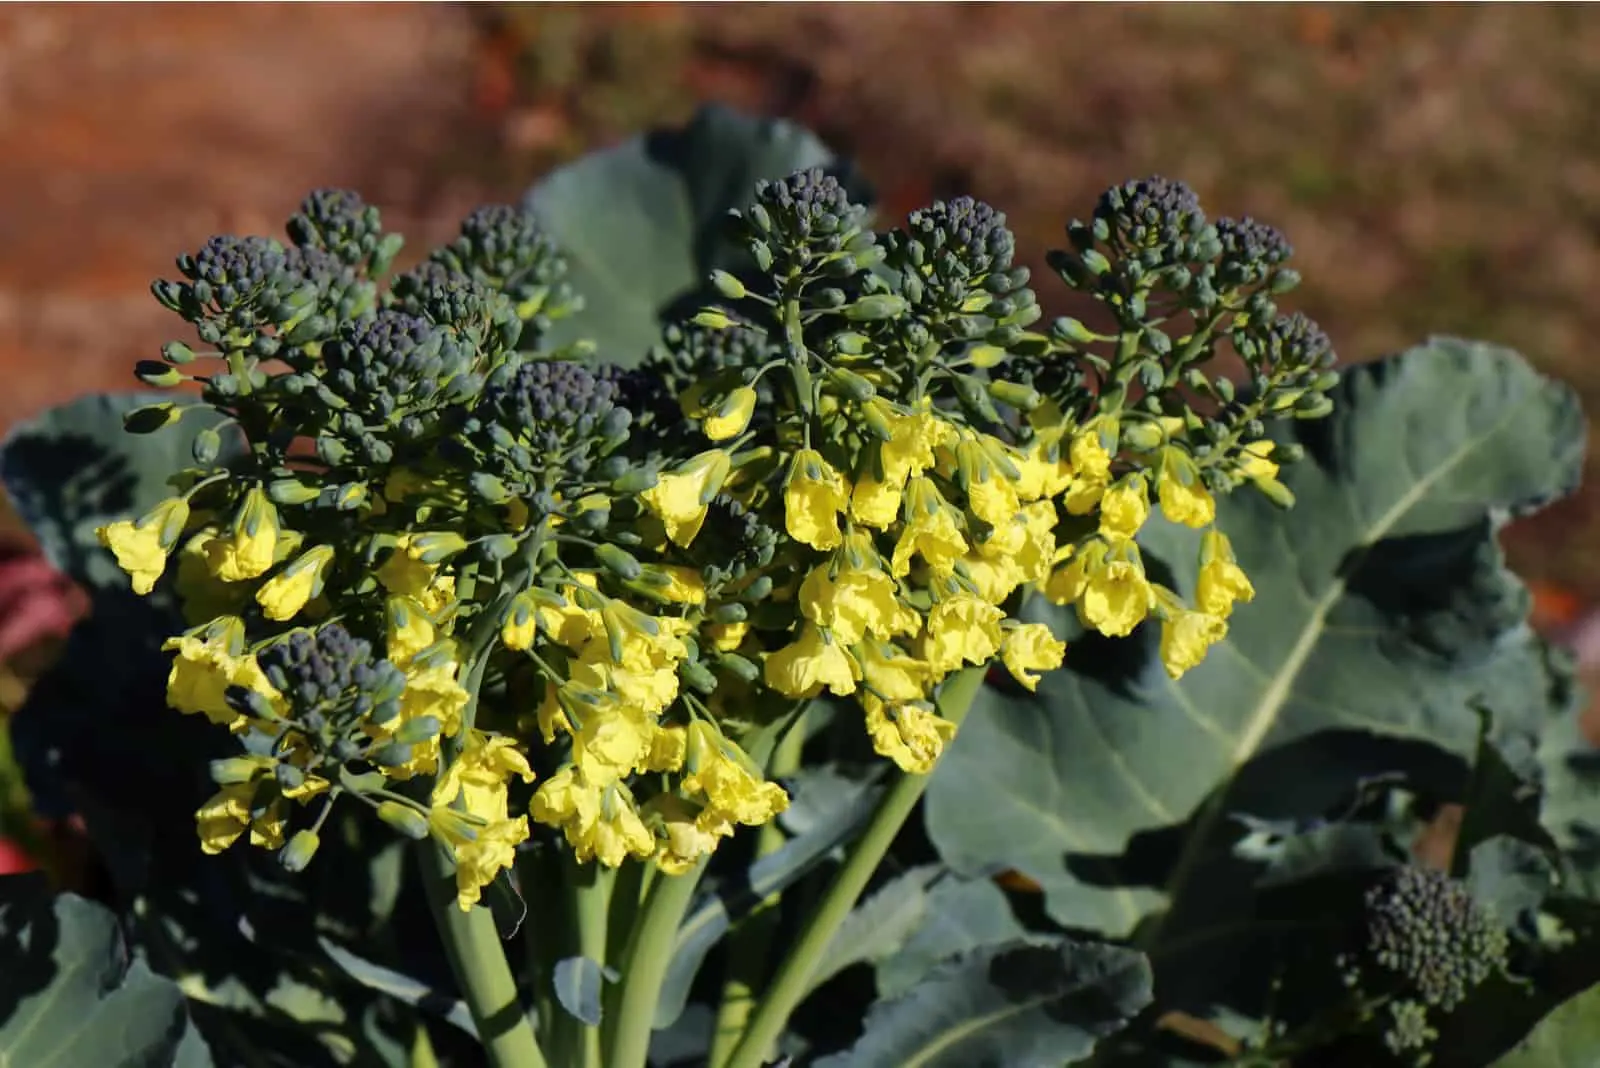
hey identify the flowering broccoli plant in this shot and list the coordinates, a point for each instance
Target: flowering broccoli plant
(621, 644)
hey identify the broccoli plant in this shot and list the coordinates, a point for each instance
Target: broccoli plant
(691, 620)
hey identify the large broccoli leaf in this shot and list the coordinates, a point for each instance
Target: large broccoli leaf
(1036, 1003)
(1384, 612)
(72, 994)
(642, 223)
(1568, 1036)
(73, 468)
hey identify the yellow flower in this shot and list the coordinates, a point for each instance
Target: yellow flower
(931, 530)
(675, 583)
(1042, 467)
(1184, 498)
(600, 822)
(813, 498)
(1221, 581)
(1109, 588)
(230, 811)
(408, 630)
(680, 498)
(994, 576)
(612, 742)
(735, 792)
(1255, 460)
(1125, 507)
(874, 502)
(1031, 647)
(907, 733)
(731, 416)
(203, 671)
(890, 674)
(726, 637)
(283, 595)
(570, 624)
(667, 748)
(1089, 452)
(481, 773)
(251, 545)
(204, 596)
(483, 843)
(811, 662)
(518, 629)
(681, 844)
(404, 573)
(961, 629)
(854, 603)
(1185, 637)
(646, 674)
(141, 546)
(1116, 596)
(223, 818)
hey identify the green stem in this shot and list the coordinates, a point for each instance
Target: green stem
(479, 962)
(577, 1043)
(793, 980)
(749, 951)
(631, 1011)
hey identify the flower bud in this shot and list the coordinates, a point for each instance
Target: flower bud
(618, 561)
(847, 383)
(1142, 436)
(157, 374)
(1275, 491)
(498, 546)
(1023, 398)
(437, 547)
(729, 286)
(291, 491)
(732, 612)
(876, 307)
(403, 818)
(392, 755)
(207, 446)
(419, 730)
(741, 667)
(732, 415)
(152, 417)
(712, 319)
(695, 674)
(298, 853)
(234, 771)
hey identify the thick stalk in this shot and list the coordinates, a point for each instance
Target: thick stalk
(749, 949)
(479, 962)
(631, 1012)
(792, 983)
(576, 1043)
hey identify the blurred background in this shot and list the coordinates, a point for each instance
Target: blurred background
(1435, 165)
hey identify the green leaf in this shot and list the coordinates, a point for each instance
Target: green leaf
(960, 916)
(1570, 805)
(880, 924)
(71, 994)
(1567, 1038)
(74, 468)
(1384, 612)
(1018, 1005)
(578, 983)
(642, 223)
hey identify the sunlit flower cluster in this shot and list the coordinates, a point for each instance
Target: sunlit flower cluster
(474, 587)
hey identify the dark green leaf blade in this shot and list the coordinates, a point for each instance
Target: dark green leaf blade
(71, 995)
(1024, 1004)
(1567, 1038)
(74, 467)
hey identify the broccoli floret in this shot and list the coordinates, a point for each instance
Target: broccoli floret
(241, 282)
(507, 249)
(543, 416)
(331, 671)
(344, 225)
(1251, 250)
(392, 363)
(1424, 928)
(457, 302)
(740, 537)
(1156, 221)
(809, 209)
